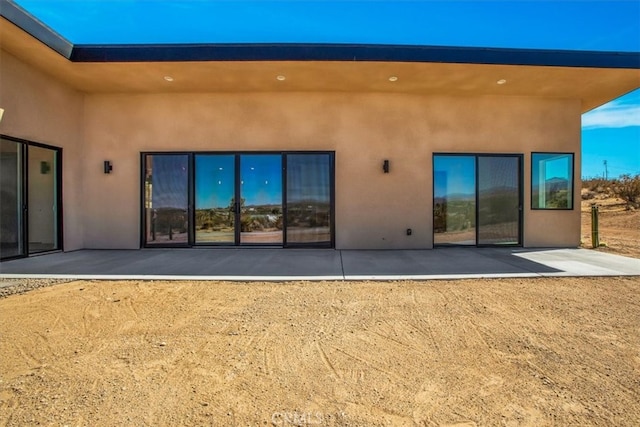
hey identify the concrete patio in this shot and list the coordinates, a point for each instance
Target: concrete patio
(319, 264)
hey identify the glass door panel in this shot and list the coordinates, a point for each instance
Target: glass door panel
(11, 213)
(166, 190)
(454, 203)
(308, 199)
(43, 199)
(498, 200)
(261, 199)
(215, 198)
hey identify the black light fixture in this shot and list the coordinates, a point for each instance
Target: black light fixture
(385, 166)
(108, 167)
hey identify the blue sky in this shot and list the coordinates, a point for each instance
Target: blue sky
(610, 133)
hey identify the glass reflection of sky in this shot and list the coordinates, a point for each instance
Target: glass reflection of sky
(454, 175)
(215, 180)
(555, 166)
(261, 179)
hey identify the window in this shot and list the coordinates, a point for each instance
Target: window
(552, 181)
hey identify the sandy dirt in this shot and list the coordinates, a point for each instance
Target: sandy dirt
(503, 352)
(619, 227)
(512, 352)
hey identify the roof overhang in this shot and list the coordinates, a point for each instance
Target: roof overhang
(593, 77)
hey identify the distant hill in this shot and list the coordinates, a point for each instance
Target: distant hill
(554, 184)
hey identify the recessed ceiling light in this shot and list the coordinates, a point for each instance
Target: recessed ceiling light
(501, 81)
(393, 79)
(168, 78)
(281, 78)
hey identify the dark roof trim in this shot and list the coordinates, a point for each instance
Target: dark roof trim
(312, 52)
(23, 19)
(352, 52)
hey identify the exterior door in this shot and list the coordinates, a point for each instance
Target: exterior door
(260, 196)
(42, 200)
(499, 200)
(215, 195)
(166, 200)
(30, 180)
(309, 198)
(238, 199)
(477, 200)
(12, 207)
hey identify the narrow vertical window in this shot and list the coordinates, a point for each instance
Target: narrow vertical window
(552, 181)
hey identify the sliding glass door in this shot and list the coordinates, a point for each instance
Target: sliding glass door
(261, 199)
(215, 212)
(12, 240)
(308, 207)
(166, 193)
(42, 199)
(30, 176)
(499, 200)
(477, 199)
(283, 199)
(454, 202)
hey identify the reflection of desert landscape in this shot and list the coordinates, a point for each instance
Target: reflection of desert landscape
(167, 225)
(308, 222)
(454, 218)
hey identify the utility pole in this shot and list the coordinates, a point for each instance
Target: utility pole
(606, 171)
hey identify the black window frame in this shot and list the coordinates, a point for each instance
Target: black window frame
(571, 175)
(191, 199)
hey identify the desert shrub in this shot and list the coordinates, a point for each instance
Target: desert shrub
(598, 185)
(588, 195)
(627, 187)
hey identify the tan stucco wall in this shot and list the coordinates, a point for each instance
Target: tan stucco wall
(41, 109)
(373, 209)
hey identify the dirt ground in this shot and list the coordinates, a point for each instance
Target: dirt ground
(502, 352)
(619, 228)
(511, 352)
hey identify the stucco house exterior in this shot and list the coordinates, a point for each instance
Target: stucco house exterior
(289, 145)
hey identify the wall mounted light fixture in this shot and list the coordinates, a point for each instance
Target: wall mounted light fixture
(108, 167)
(1, 113)
(385, 166)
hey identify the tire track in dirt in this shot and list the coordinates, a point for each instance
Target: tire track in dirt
(326, 361)
(372, 365)
(407, 353)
